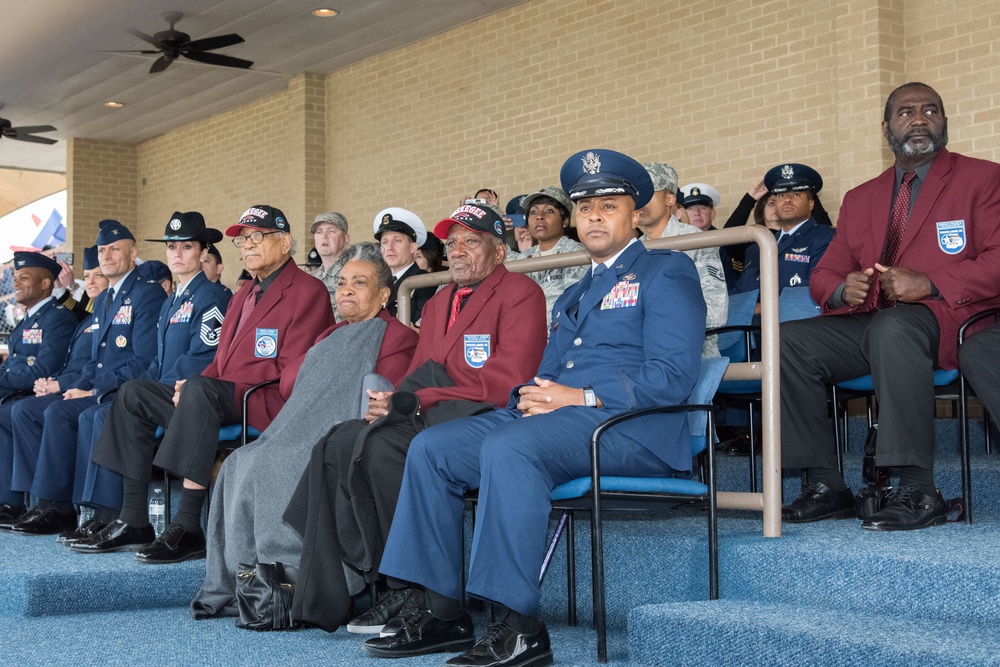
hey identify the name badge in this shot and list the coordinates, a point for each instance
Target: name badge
(623, 295)
(123, 316)
(266, 345)
(31, 336)
(951, 236)
(183, 314)
(477, 349)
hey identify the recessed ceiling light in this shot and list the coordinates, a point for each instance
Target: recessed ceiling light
(324, 13)
(111, 104)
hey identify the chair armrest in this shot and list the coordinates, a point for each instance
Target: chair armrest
(246, 398)
(981, 315)
(602, 428)
(109, 392)
(20, 393)
(745, 328)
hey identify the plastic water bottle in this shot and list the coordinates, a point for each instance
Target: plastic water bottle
(86, 514)
(158, 510)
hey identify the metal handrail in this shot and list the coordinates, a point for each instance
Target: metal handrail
(766, 370)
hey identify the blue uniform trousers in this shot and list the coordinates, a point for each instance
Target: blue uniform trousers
(28, 418)
(54, 472)
(94, 485)
(7, 496)
(515, 462)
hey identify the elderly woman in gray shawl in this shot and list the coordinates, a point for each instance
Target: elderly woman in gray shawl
(256, 481)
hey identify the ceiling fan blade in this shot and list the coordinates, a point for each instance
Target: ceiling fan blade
(31, 138)
(34, 129)
(160, 64)
(212, 43)
(218, 59)
(146, 38)
(145, 52)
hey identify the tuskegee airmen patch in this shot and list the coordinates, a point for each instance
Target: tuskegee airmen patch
(266, 344)
(951, 236)
(211, 327)
(121, 341)
(477, 349)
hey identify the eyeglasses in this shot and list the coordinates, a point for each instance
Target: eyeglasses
(256, 237)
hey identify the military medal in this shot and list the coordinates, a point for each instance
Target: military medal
(121, 341)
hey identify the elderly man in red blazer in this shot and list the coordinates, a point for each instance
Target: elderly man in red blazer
(478, 337)
(270, 323)
(917, 251)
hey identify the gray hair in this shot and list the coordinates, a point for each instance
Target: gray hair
(366, 251)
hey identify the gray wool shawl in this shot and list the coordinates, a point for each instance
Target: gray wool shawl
(256, 481)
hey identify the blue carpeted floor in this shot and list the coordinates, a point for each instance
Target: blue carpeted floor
(824, 594)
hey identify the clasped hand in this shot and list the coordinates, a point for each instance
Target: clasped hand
(545, 396)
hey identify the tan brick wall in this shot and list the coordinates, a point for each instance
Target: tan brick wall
(219, 166)
(722, 89)
(952, 46)
(101, 178)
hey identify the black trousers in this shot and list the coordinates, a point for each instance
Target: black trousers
(978, 361)
(897, 346)
(345, 516)
(191, 437)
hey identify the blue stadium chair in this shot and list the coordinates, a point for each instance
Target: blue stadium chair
(794, 303)
(231, 436)
(947, 382)
(597, 493)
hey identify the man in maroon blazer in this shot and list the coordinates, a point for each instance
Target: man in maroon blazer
(270, 323)
(917, 251)
(478, 337)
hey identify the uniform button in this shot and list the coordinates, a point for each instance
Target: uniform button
(569, 364)
(100, 365)
(577, 341)
(103, 344)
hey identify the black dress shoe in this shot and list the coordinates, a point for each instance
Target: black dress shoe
(48, 521)
(116, 536)
(9, 515)
(414, 606)
(84, 532)
(173, 546)
(505, 647)
(387, 608)
(909, 508)
(422, 634)
(819, 501)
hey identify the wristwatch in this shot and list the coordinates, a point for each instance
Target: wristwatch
(589, 397)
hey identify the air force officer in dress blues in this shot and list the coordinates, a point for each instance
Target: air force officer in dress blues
(801, 241)
(123, 344)
(187, 336)
(39, 343)
(627, 336)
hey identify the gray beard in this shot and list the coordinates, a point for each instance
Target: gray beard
(936, 144)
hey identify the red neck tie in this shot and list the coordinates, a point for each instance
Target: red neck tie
(897, 227)
(456, 304)
(248, 307)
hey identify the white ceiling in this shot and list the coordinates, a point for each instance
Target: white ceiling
(53, 75)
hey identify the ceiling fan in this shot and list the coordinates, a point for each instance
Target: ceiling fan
(25, 133)
(172, 44)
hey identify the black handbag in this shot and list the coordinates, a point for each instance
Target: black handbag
(264, 596)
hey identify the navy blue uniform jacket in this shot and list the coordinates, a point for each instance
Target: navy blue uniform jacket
(798, 255)
(38, 347)
(636, 339)
(124, 335)
(187, 334)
